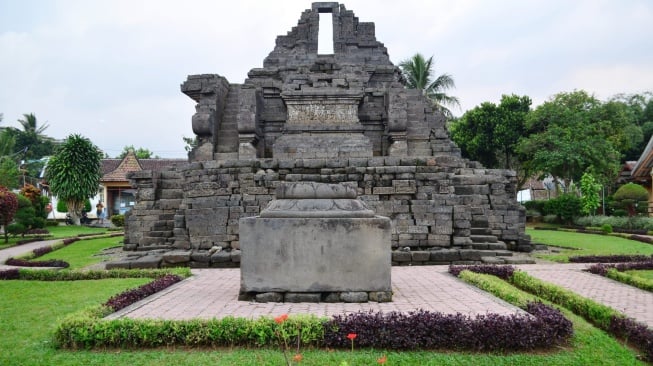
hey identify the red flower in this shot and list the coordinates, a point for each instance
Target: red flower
(298, 357)
(281, 318)
(351, 336)
(382, 360)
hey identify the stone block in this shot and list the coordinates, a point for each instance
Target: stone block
(302, 297)
(331, 254)
(380, 296)
(445, 255)
(354, 296)
(147, 261)
(269, 297)
(221, 257)
(400, 256)
(177, 256)
(420, 256)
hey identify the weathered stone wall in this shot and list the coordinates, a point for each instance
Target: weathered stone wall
(434, 202)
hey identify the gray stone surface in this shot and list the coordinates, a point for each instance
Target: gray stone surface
(342, 118)
(316, 255)
(352, 296)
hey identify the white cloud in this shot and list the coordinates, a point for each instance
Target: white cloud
(76, 63)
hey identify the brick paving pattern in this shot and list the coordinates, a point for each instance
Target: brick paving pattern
(629, 300)
(214, 292)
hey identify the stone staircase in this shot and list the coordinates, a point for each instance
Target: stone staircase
(227, 142)
(494, 250)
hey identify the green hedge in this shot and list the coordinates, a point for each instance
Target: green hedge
(78, 275)
(86, 330)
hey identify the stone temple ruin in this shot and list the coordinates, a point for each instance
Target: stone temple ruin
(342, 118)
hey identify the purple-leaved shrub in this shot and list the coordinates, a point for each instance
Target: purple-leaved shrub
(544, 328)
(129, 297)
(502, 271)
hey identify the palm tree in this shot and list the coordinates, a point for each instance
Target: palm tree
(32, 138)
(418, 73)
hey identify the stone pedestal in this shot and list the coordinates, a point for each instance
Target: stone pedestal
(332, 248)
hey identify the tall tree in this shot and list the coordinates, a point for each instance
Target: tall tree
(569, 137)
(140, 153)
(419, 74)
(74, 173)
(8, 207)
(490, 134)
(32, 138)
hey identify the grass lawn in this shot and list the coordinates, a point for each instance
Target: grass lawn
(647, 274)
(586, 244)
(83, 252)
(57, 232)
(30, 310)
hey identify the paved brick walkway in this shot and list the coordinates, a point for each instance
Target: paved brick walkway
(214, 292)
(629, 300)
(21, 249)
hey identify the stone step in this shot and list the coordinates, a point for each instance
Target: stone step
(421, 152)
(518, 260)
(489, 246)
(493, 260)
(483, 238)
(481, 231)
(227, 141)
(480, 223)
(504, 253)
(226, 156)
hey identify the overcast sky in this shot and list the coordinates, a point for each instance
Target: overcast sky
(111, 70)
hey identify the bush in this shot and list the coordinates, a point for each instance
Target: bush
(565, 207)
(630, 197)
(129, 297)
(609, 258)
(15, 229)
(544, 328)
(536, 205)
(501, 271)
(81, 275)
(118, 220)
(48, 263)
(606, 228)
(51, 223)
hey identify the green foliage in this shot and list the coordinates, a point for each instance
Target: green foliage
(536, 205)
(418, 73)
(569, 136)
(189, 143)
(9, 173)
(25, 214)
(586, 244)
(590, 189)
(74, 173)
(16, 229)
(490, 133)
(565, 207)
(63, 207)
(498, 288)
(27, 274)
(118, 220)
(606, 228)
(592, 311)
(629, 279)
(631, 196)
(85, 330)
(8, 208)
(141, 153)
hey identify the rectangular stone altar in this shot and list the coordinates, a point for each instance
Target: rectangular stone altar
(316, 239)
